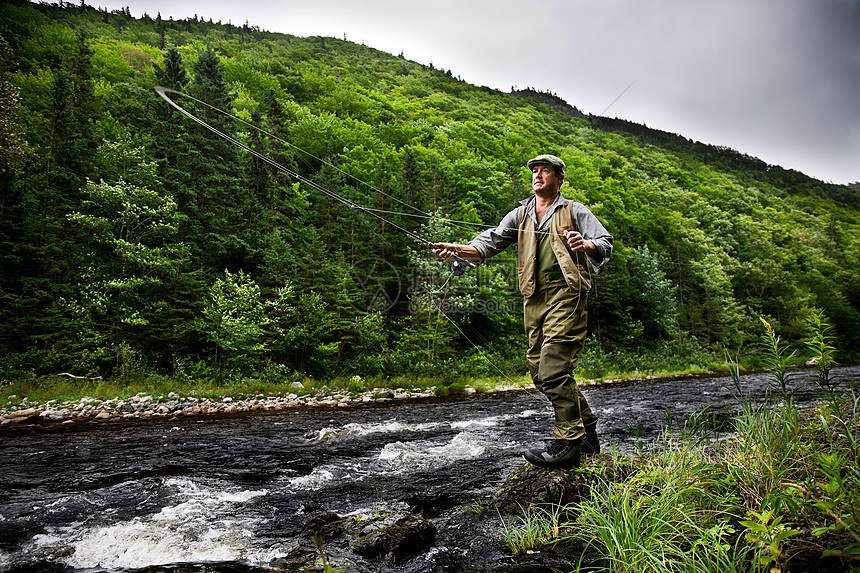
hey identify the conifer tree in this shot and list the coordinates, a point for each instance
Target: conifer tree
(13, 153)
(73, 114)
(209, 84)
(173, 74)
(226, 211)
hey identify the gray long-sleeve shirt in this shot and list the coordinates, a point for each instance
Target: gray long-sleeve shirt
(493, 241)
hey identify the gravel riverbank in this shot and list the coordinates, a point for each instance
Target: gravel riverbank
(20, 411)
(147, 407)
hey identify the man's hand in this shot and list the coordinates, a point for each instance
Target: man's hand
(451, 250)
(578, 243)
(444, 250)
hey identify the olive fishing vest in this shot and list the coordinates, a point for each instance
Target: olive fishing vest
(574, 265)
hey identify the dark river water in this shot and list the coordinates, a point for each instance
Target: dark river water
(232, 494)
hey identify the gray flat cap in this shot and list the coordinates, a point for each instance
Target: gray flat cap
(548, 160)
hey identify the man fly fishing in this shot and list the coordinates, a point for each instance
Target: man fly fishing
(557, 241)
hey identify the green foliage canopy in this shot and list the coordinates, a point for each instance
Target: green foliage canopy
(124, 226)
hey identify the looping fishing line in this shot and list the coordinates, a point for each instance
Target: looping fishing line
(417, 214)
(163, 91)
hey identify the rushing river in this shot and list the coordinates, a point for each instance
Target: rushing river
(232, 494)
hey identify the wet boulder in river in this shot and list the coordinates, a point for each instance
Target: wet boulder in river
(397, 537)
(326, 524)
(528, 487)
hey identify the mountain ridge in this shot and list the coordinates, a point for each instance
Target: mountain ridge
(707, 152)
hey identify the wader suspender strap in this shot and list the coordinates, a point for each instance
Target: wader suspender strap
(579, 257)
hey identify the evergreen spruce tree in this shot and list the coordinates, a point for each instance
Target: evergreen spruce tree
(222, 197)
(173, 74)
(209, 84)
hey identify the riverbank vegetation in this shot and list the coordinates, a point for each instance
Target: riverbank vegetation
(595, 367)
(137, 247)
(767, 488)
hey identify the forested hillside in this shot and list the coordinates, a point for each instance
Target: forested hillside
(133, 240)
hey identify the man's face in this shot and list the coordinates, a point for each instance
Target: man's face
(545, 179)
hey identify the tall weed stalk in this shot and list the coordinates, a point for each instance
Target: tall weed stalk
(779, 361)
(823, 352)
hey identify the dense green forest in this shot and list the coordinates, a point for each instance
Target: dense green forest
(134, 241)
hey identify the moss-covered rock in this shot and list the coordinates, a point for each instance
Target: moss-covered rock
(397, 538)
(528, 487)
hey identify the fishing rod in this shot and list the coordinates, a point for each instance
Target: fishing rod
(458, 265)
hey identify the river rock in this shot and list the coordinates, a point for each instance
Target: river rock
(397, 538)
(53, 416)
(24, 416)
(326, 524)
(529, 487)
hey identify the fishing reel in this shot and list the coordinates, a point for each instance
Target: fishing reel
(459, 266)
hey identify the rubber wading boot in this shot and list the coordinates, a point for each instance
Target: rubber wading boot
(564, 454)
(590, 443)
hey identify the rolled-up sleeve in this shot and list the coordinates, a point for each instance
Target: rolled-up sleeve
(493, 241)
(592, 229)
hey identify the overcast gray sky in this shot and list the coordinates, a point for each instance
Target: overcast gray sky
(776, 79)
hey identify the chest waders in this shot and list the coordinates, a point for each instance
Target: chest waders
(555, 282)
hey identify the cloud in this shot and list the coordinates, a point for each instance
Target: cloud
(776, 80)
